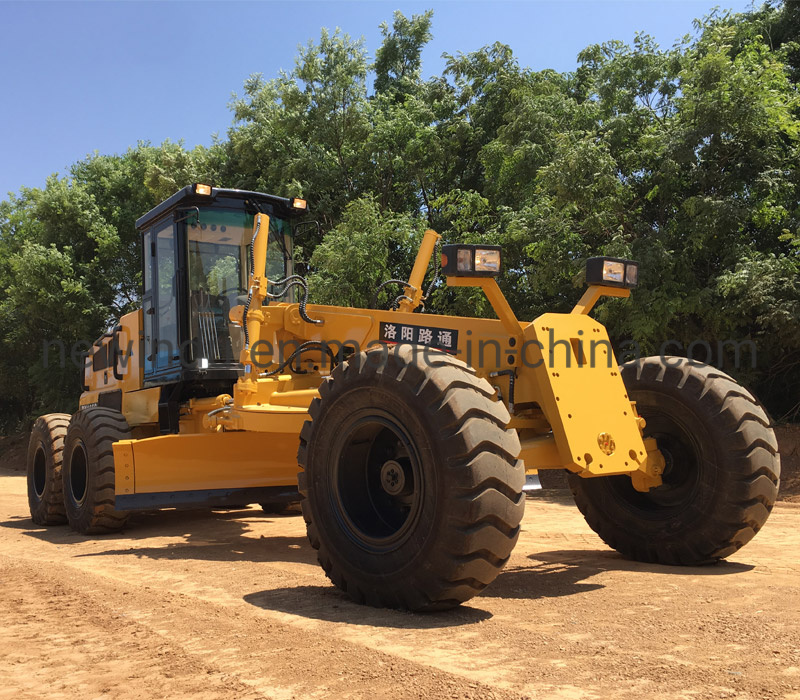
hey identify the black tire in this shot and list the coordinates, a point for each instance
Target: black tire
(89, 470)
(44, 467)
(412, 487)
(722, 473)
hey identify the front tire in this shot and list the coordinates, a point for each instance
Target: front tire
(89, 483)
(44, 468)
(721, 476)
(411, 483)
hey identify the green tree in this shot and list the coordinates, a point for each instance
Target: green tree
(366, 249)
(398, 61)
(685, 159)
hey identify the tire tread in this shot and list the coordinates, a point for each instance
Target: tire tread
(99, 428)
(486, 501)
(750, 476)
(49, 431)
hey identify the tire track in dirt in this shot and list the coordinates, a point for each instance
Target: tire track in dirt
(71, 630)
(61, 642)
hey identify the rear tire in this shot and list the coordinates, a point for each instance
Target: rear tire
(411, 483)
(89, 484)
(721, 476)
(44, 467)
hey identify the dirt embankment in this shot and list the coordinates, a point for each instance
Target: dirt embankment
(13, 449)
(789, 442)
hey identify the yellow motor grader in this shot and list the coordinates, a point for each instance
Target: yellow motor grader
(409, 437)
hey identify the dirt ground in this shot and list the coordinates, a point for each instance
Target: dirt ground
(233, 605)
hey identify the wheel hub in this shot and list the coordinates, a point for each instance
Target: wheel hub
(393, 478)
(377, 482)
(79, 474)
(669, 461)
(39, 472)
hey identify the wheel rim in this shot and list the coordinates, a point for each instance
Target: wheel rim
(683, 470)
(39, 472)
(78, 474)
(376, 481)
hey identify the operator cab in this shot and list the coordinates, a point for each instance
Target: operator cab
(196, 252)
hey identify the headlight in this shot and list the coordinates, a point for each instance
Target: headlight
(471, 260)
(487, 260)
(464, 258)
(612, 272)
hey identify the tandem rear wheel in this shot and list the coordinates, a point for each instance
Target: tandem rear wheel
(721, 476)
(411, 483)
(88, 474)
(44, 469)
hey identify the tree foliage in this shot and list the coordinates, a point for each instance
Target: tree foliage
(684, 158)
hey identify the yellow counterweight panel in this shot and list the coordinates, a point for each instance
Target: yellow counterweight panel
(582, 394)
(206, 461)
(131, 365)
(123, 367)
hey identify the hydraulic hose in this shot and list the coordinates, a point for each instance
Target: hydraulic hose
(297, 281)
(308, 345)
(374, 300)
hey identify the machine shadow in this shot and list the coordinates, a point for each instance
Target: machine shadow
(564, 572)
(559, 496)
(203, 535)
(329, 604)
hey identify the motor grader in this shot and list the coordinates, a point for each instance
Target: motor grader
(409, 437)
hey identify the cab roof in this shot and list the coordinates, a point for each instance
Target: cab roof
(187, 197)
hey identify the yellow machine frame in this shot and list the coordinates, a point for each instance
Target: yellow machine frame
(249, 439)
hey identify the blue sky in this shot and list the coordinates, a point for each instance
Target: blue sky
(84, 76)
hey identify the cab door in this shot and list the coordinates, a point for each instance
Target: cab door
(148, 304)
(160, 302)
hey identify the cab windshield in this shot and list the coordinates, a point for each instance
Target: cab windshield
(218, 251)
